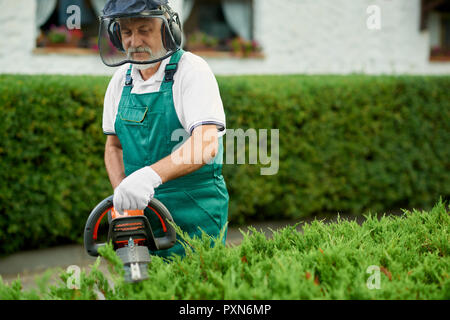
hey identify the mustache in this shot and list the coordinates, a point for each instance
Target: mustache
(139, 49)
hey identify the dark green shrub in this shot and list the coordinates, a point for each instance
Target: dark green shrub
(347, 144)
(52, 171)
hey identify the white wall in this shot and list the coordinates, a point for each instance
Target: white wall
(331, 36)
(298, 36)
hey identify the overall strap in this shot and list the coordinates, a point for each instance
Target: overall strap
(170, 70)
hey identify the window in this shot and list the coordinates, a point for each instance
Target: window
(436, 18)
(440, 45)
(445, 33)
(211, 27)
(53, 33)
(217, 27)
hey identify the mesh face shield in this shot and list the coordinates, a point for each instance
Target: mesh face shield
(141, 39)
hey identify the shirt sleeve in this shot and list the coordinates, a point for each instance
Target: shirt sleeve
(109, 109)
(201, 101)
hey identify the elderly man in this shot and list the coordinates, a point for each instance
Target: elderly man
(158, 95)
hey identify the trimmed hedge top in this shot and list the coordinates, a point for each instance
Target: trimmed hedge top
(404, 257)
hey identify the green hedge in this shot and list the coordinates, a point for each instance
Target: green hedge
(347, 144)
(405, 257)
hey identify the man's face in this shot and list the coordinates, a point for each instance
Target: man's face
(142, 35)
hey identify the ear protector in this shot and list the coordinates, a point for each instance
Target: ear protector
(167, 32)
(174, 30)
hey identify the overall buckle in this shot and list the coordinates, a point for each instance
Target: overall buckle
(171, 68)
(128, 80)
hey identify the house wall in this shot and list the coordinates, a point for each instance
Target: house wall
(297, 36)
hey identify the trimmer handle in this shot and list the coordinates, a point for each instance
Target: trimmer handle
(97, 214)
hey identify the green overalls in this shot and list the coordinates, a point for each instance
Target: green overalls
(144, 126)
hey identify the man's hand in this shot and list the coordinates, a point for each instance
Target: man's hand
(136, 190)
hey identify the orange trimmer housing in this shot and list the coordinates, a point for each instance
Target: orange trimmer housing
(131, 224)
(127, 213)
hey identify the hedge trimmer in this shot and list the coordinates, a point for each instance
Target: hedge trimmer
(131, 235)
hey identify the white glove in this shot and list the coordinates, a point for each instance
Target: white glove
(136, 190)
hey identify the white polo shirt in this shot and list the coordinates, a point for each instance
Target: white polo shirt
(196, 95)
